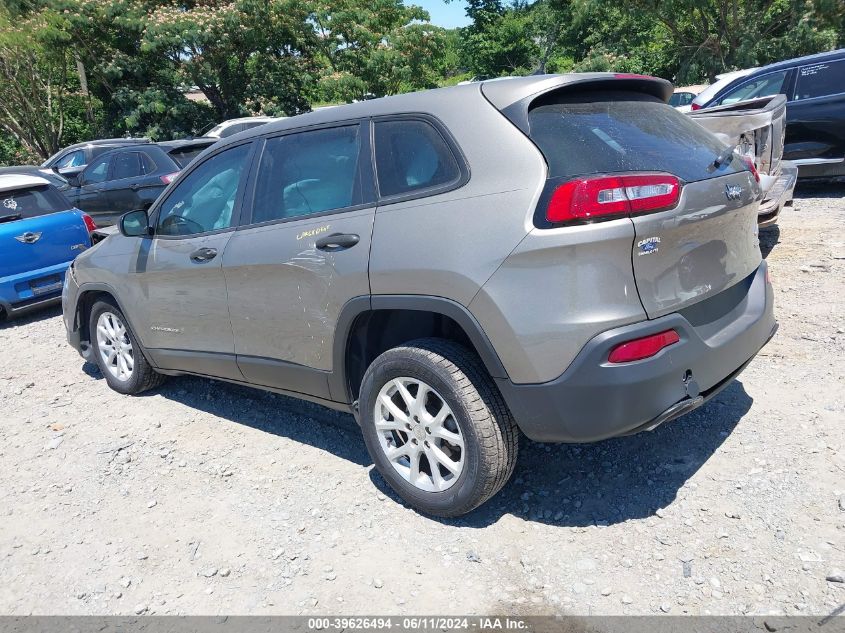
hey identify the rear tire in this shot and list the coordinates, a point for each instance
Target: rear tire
(117, 352)
(472, 447)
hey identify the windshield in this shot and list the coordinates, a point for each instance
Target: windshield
(20, 204)
(607, 132)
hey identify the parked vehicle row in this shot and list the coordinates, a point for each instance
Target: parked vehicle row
(123, 179)
(815, 110)
(566, 256)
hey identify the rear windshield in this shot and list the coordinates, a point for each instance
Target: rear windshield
(20, 204)
(185, 156)
(606, 132)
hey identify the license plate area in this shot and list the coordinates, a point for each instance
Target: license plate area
(45, 285)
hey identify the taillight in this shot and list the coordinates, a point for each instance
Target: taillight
(750, 164)
(641, 348)
(168, 178)
(606, 196)
(695, 106)
(89, 223)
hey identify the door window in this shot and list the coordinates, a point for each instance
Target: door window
(148, 165)
(73, 159)
(412, 156)
(764, 86)
(308, 172)
(126, 165)
(204, 201)
(97, 171)
(820, 80)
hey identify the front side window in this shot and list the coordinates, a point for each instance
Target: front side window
(126, 165)
(411, 156)
(97, 171)
(308, 172)
(73, 159)
(820, 80)
(764, 86)
(205, 200)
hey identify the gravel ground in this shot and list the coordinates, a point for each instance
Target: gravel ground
(205, 498)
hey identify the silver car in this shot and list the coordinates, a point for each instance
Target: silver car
(563, 256)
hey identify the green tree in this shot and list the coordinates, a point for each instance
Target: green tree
(377, 48)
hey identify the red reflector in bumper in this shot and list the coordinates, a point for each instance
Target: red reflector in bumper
(643, 347)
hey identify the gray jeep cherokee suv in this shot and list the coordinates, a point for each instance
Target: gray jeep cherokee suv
(565, 256)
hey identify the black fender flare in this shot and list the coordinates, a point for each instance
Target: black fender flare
(357, 306)
(96, 286)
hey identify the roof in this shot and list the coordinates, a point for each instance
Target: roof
(204, 141)
(247, 119)
(800, 61)
(9, 182)
(107, 141)
(501, 92)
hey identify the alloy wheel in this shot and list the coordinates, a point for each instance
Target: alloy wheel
(419, 434)
(114, 346)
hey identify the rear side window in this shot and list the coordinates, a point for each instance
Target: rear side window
(308, 172)
(412, 156)
(20, 204)
(602, 132)
(126, 165)
(820, 80)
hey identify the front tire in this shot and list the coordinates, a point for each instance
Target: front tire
(118, 353)
(437, 427)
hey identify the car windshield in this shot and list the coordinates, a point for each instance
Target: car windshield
(20, 204)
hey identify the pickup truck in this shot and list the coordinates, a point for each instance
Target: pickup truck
(756, 128)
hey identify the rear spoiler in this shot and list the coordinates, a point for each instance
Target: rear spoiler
(514, 97)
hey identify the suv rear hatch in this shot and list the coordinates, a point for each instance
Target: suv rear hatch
(599, 130)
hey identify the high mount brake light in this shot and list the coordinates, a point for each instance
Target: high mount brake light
(641, 348)
(631, 76)
(586, 199)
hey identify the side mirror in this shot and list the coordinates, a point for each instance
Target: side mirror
(74, 180)
(134, 224)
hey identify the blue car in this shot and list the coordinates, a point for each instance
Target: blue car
(40, 235)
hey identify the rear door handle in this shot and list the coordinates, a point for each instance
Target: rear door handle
(337, 241)
(134, 186)
(204, 255)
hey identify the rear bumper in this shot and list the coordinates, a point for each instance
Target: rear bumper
(18, 296)
(779, 196)
(595, 399)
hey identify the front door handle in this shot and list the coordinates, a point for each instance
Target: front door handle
(204, 255)
(337, 241)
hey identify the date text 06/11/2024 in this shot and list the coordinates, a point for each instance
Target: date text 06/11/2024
(420, 623)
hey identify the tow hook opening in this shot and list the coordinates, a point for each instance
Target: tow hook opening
(690, 384)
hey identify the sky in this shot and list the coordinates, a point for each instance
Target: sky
(442, 14)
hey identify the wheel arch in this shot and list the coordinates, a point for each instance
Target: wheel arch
(88, 295)
(368, 326)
